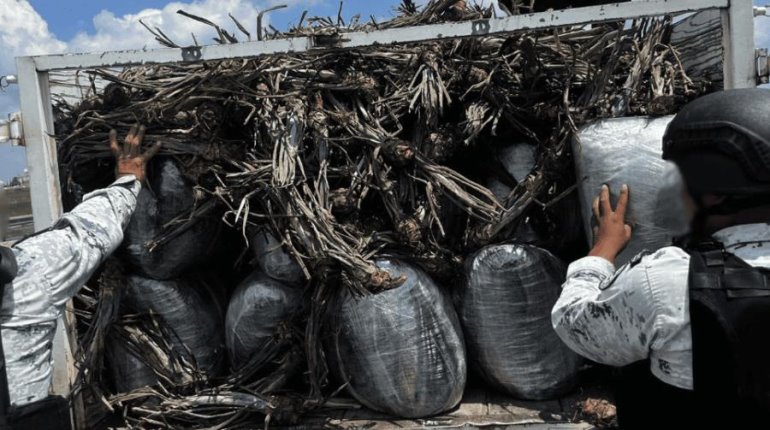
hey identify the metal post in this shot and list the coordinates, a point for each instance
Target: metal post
(42, 162)
(41, 147)
(738, 42)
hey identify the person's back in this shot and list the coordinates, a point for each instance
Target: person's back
(688, 325)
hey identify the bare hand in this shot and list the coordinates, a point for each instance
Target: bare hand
(613, 233)
(129, 159)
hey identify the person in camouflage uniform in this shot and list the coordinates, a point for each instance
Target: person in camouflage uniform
(51, 266)
(687, 325)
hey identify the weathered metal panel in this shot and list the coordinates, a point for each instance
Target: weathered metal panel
(698, 39)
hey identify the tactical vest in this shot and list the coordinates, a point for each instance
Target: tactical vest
(730, 320)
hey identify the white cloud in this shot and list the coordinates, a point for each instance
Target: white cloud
(125, 32)
(25, 32)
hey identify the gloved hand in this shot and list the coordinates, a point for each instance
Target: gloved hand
(129, 159)
(613, 233)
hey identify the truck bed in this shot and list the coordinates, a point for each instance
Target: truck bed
(481, 409)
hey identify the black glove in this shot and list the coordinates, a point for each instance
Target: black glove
(8, 267)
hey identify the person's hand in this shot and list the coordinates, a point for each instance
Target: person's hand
(129, 159)
(613, 233)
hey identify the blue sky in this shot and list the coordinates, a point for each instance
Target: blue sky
(67, 18)
(52, 26)
(32, 27)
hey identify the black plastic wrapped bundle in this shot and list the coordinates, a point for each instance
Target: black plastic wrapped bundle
(167, 197)
(273, 259)
(129, 372)
(187, 310)
(258, 308)
(564, 233)
(505, 308)
(402, 350)
(629, 151)
(517, 162)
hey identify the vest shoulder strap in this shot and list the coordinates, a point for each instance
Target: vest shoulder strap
(716, 269)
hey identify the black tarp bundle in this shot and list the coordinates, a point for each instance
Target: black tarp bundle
(189, 314)
(167, 196)
(505, 308)
(629, 151)
(128, 370)
(557, 226)
(273, 259)
(401, 351)
(259, 309)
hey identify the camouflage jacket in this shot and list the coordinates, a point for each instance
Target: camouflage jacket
(53, 265)
(642, 310)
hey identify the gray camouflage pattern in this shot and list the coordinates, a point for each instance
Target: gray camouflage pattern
(53, 266)
(642, 310)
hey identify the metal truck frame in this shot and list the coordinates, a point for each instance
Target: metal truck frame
(740, 71)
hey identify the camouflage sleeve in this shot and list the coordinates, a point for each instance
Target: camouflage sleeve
(82, 239)
(604, 315)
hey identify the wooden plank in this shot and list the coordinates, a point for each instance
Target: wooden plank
(474, 404)
(478, 409)
(517, 411)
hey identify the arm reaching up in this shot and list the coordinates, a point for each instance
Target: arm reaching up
(54, 264)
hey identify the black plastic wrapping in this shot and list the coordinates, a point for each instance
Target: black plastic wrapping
(629, 151)
(505, 308)
(402, 350)
(517, 161)
(564, 235)
(273, 259)
(129, 372)
(187, 310)
(258, 309)
(167, 197)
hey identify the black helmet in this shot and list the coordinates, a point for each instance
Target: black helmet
(721, 143)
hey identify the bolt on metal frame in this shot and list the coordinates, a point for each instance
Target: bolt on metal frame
(33, 74)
